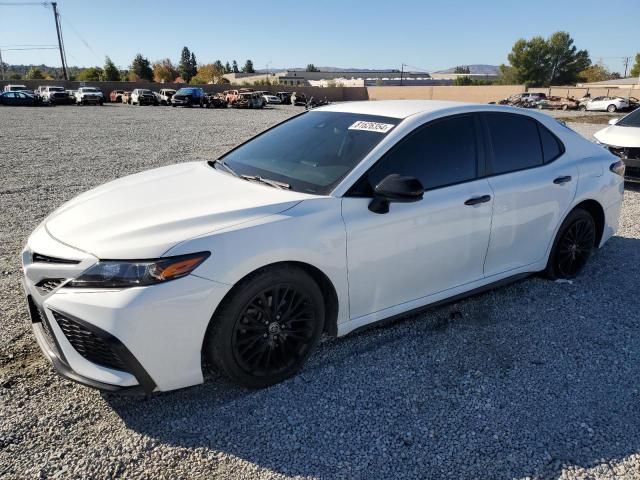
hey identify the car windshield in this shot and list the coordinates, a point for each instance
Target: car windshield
(186, 91)
(631, 120)
(313, 151)
(56, 89)
(91, 90)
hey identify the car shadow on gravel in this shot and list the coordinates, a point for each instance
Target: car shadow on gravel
(526, 380)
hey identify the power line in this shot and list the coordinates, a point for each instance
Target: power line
(30, 48)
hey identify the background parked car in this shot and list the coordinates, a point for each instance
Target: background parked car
(557, 103)
(20, 99)
(270, 98)
(285, 97)
(143, 96)
(116, 96)
(89, 96)
(604, 104)
(165, 94)
(299, 99)
(189, 97)
(249, 100)
(216, 100)
(14, 88)
(52, 94)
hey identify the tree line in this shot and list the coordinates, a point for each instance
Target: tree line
(141, 69)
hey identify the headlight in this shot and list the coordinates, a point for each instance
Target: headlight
(137, 273)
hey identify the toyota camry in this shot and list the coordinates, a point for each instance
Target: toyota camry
(335, 219)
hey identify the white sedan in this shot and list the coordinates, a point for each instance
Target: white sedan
(604, 104)
(622, 138)
(271, 99)
(333, 220)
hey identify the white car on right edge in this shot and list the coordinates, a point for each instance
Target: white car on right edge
(604, 104)
(622, 137)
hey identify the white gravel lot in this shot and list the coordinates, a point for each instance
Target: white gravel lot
(535, 380)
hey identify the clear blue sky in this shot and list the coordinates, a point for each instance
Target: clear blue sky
(345, 33)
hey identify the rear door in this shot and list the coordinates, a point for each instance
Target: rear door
(532, 189)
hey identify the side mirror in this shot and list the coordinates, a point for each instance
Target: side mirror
(395, 188)
(613, 121)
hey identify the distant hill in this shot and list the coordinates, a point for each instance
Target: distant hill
(479, 69)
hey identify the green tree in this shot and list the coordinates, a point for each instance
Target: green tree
(248, 67)
(141, 68)
(34, 74)
(188, 67)
(542, 62)
(164, 71)
(463, 80)
(227, 68)
(635, 70)
(312, 68)
(219, 66)
(91, 74)
(461, 69)
(110, 72)
(235, 67)
(595, 73)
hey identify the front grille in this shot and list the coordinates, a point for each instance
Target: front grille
(47, 285)
(39, 258)
(89, 345)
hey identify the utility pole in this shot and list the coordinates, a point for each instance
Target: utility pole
(1, 64)
(401, 73)
(57, 20)
(626, 61)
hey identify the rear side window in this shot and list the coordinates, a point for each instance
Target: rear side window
(551, 146)
(515, 142)
(439, 154)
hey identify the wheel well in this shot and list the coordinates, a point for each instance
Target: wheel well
(597, 212)
(326, 287)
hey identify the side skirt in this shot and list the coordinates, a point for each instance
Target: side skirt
(455, 298)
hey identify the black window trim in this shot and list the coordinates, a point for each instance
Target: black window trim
(489, 144)
(481, 154)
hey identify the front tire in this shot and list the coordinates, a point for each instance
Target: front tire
(264, 332)
(573, 245)
(611, 108)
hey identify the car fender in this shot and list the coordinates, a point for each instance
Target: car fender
(312, 232)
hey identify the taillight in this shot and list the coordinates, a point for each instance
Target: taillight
(618, 168)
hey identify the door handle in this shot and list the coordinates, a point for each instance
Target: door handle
(477, 200)
(562, 180)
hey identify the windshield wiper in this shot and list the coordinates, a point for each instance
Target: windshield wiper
(267, 181)
(217, 161)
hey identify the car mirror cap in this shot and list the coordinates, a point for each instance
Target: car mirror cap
(395, 188)
(613, 121)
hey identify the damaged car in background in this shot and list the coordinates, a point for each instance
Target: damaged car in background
(622, 138)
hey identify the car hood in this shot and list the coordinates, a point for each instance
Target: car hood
(144, 215)
(619, 136)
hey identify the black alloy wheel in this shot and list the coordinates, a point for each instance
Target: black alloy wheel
(268, 327)
(573, 245)
(274, 330)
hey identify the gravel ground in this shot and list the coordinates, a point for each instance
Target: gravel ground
(535, 380)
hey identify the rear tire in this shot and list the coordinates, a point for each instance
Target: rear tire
(266, 329)
(565, 107)
(582, 108)
(572, 246)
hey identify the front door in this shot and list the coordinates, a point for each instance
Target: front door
(421, 248)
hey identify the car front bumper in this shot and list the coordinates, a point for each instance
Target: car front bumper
(136, 339)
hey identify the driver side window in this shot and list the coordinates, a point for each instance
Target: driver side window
(441, 153)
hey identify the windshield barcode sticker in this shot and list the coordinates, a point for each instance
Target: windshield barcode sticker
(371, 126)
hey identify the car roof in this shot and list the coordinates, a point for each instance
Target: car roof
(392, 108)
